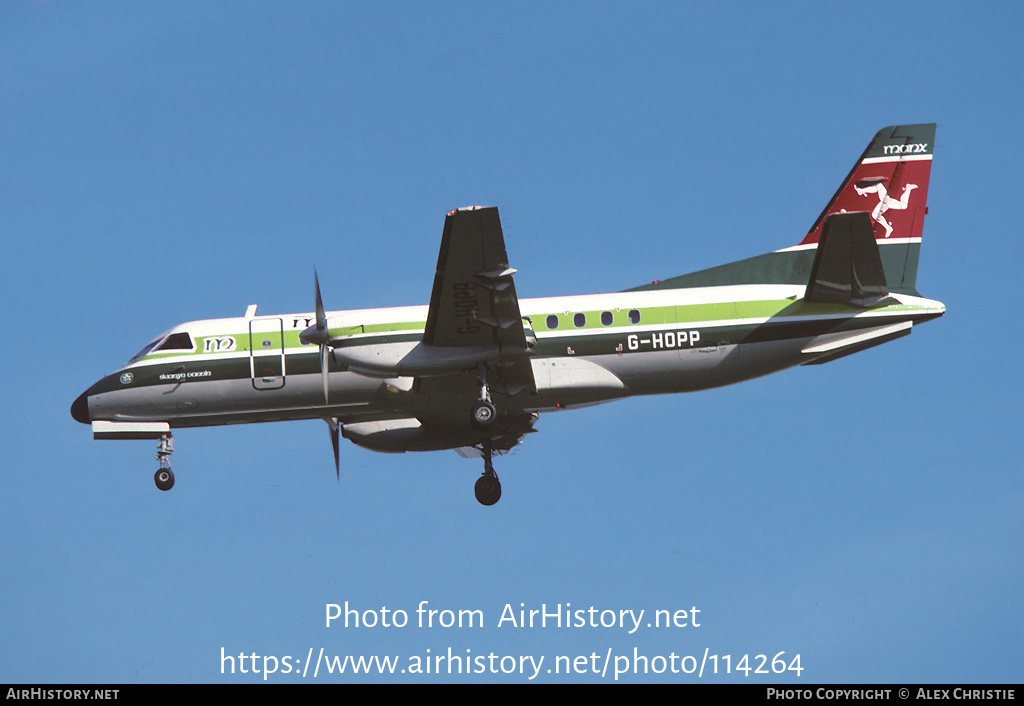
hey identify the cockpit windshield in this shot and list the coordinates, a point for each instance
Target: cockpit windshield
(176, 342)
(180, 341)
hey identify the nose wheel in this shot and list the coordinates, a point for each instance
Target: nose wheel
(164, 477)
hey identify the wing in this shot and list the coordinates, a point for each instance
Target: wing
(473, 303)
(473, 318)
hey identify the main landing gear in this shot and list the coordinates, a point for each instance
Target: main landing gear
(488, 487)
(164, 477)
(483, 416)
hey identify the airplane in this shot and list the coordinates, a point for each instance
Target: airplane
(475, 368)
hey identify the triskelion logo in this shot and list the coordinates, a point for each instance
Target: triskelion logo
(876, 185)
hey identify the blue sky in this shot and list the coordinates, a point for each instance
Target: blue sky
(177, 161)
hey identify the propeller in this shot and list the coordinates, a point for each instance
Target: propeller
(318, 333)
(334, 425)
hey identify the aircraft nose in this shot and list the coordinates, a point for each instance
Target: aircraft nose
(80, 409)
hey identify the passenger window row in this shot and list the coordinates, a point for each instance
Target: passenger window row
(579, 320)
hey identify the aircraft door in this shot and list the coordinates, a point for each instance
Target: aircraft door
(266, 353)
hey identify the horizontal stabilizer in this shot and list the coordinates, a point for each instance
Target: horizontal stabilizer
(833, 346)
(847, 267)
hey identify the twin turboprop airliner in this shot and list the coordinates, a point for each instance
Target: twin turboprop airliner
(475, 368)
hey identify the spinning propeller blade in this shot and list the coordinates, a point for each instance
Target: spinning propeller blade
(321, 316)
(333, 425)
(318, 333)
(321, 326)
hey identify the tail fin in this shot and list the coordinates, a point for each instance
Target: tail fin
(890, 181)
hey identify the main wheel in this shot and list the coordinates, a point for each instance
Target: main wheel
(488, 490)
(484, 415)
(164, 479)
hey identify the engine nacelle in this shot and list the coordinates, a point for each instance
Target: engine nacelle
(400, 435)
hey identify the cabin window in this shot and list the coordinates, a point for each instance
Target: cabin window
(606, 318)
(634, 316)
(176, 342)
(579, 320)
(552, 321)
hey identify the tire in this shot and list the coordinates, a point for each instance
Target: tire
(164, 479)
(488, 490)
(484, 415)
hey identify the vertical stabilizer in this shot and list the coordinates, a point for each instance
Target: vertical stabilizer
(890, 182)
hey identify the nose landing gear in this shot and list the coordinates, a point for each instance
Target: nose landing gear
(164, 477)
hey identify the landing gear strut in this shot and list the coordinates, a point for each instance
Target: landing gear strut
(164, 477)
(484, 416)
(488, 487)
